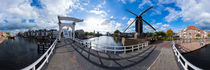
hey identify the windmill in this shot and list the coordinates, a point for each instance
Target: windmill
(139, 22)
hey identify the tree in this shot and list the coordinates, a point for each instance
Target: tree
(198, 35)
(7, 33)
(160, 34)
(20, 34)
(169, 32)
(148, 34)
(117, 31)
(208, 35)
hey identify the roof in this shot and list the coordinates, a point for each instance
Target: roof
(1, 33)
(194, 28)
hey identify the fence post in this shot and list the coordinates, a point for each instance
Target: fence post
(114, 50)
(86, 44)
(132, 48)
(124, 49)
(185, 66)
(90, 45)
(138, 46)
(105, 50)
(34, 68)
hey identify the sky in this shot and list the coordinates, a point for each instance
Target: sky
(103, 15)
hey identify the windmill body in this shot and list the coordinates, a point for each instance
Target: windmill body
(139, 24)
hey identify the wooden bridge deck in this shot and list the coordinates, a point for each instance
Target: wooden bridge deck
(71, 56)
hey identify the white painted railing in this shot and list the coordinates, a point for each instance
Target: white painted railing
(114, 49)
(44, 58)
(185, 64)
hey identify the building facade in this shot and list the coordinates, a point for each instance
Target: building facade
(193, 32)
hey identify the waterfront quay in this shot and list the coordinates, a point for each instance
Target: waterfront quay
(186, 46)
(2, 39)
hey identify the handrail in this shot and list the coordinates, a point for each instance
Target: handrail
(114, 48)
(46, 55)
(186, 63)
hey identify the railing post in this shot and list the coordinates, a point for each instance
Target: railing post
(105, 50)
(132, 48)
(185, 66)
(114, 50)
(90, 45)
(47, 57)
(138, 47)
(34, 68)
(86, 44)
(124, 49)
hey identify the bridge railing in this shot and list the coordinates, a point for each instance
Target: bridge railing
(184, 63)
(114, 49)
(42, 60)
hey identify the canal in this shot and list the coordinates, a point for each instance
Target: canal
(200, 58)
(104, 41)
(18, 53)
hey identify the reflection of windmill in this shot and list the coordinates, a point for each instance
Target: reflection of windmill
(139, 22)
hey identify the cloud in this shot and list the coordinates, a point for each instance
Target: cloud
(125, 1)
(14, 11)
(145, 2)
(124, 18)
(131, 1)
(97, 10)
(101, 25)
(157, 26)
(192, 11)
(130, 21)
(165, 1)
(195, 11)
(173, 14)
(166, 25)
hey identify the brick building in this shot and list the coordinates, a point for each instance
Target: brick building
(193, 32)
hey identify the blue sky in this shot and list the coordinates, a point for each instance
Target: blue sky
(103, 15)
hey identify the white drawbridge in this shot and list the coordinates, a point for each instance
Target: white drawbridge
(66, 32)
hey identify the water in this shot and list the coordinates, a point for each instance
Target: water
(104, 41)
(17, 53)
(200, 58)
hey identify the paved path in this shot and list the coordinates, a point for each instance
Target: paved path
(72, 56)
(166, 60)
(63, 58)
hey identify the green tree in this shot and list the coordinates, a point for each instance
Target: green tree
(208, 35)
(198, 35)
(7, 33)
(148, 34)
(160, 34)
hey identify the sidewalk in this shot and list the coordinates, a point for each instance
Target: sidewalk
(166, 59)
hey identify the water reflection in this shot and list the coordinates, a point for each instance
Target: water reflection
(104, 41)
(17, 53)
(200, 58)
